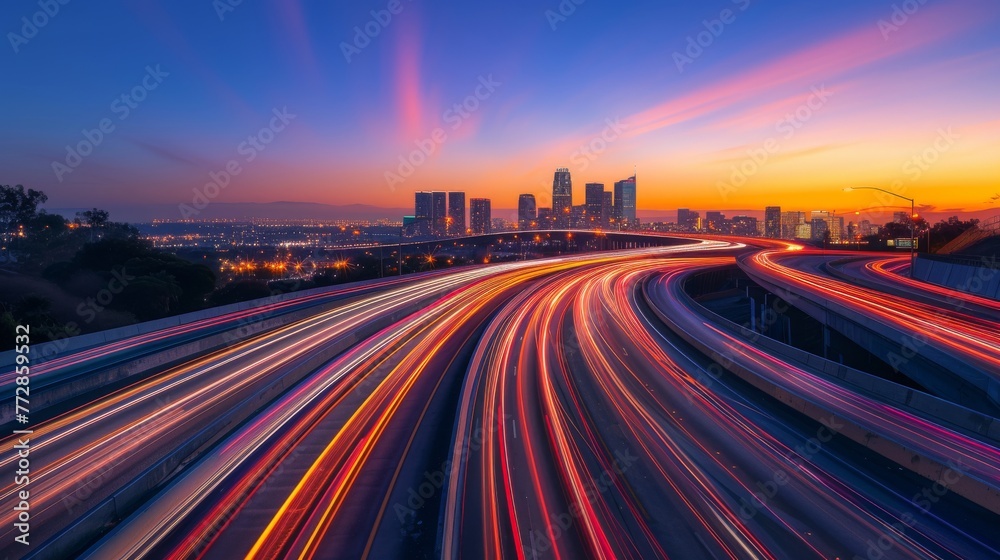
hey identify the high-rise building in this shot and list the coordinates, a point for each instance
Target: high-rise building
(715, 222)
(423, 213)
(545, 218)
(772, 222)
(456, 213)
(686, 219)
(607, 209)
(831, 223)
(480, 216)
(409, 222)
(595, 204)
(562, 198)
(439, 212)
(790, 222)
(625, 203)
(745, 226)
(580, 218)
(820, 228)
(526, 212)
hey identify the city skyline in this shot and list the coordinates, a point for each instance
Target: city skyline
(617, 209)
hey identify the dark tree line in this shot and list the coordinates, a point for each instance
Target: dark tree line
(68, 277)
(941, 233)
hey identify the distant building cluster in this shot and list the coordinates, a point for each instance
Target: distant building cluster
(440, 214)
(818, 225)
(601, 209)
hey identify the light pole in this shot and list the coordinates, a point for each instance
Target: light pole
(913, 243)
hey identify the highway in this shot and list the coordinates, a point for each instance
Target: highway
(93, 451)
(962, 343)
(623, 445)
(407, 368)
(890, 274)
(559, 408)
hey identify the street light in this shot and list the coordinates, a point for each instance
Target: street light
(913, 243)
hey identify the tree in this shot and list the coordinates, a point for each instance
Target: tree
(95, 219)
(149, 297)
(946, 230)
(18, 208)
(240, 290)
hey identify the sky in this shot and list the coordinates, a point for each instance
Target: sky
(715, 104)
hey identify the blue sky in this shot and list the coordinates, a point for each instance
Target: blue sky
(558, 87)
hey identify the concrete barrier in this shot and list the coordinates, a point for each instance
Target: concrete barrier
(980, 426)
(933, 367)
(982, 280)
(109, 510)
(76, 343)
(49, 390)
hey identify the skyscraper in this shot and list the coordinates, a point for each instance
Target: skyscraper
(715, 222)
(456, 213)
(790, 222)
(607, 209)
(480, 216)
(595, 205)
(772, 222)
(745, 226)
(579, 217)
(423, 213)
(625, 203)
(819, 228)
(439, 212)
(562, 198)
(830, 223)
(526, 212)
(686, 219)
(545, 218)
